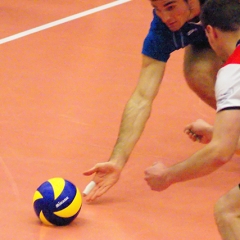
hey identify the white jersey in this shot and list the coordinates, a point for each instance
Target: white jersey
(227, 87)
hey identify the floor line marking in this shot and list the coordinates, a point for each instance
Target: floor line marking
(10, 178)
(61, 21)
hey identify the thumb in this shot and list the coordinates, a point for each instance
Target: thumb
(90, 171)
(188, 128)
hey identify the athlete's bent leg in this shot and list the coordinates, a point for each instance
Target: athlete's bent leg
(200, 69)
(227, 215)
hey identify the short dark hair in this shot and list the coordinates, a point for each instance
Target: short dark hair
(222, 14)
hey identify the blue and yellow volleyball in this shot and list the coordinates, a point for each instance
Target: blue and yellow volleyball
(57, 202)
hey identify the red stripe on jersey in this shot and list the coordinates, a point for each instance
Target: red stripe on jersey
(235, 57)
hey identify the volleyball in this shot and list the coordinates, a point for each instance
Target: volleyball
(57, 202)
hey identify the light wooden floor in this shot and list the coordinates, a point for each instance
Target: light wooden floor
(62, 93)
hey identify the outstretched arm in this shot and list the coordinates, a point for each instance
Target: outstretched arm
(138, 109)
(135, 116)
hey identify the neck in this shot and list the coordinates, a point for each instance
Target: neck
(232, 43)
(229, 40)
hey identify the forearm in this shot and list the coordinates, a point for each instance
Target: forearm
(206, 133)
(134, 119)
(202, 163)
(138, 109)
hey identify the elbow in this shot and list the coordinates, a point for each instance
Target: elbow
(221, 160)
(222, 154)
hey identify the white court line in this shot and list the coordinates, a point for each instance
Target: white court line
(10, 178)
(63, 20)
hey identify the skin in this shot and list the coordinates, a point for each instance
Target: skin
(222, 141)
(138, 109)
(173, 14)
(215, 154)
(202, 132)
(199, 131)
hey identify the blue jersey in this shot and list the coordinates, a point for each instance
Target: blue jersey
(161, 41)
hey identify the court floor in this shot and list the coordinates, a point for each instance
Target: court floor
(67, 69)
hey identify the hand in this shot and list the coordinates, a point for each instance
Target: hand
(106, 175)
(156, 177)
(199, 131)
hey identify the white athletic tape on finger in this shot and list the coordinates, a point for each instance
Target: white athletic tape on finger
(89, 188)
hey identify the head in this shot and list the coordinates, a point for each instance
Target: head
(221, 20)
(174, 13)
(221, 14)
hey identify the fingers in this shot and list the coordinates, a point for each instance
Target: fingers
(105, 176)
(91, 171)
(88, 188)
(187, 128)
(91, 188)
(192, 135)
(97, 190)
(90, 191)
(98, 168)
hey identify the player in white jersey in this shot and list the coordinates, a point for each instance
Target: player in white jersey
(221, 19)
(228, 92)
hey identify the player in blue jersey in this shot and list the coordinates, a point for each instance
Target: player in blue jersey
(221, 19)
(175, 25)
(164, 38)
